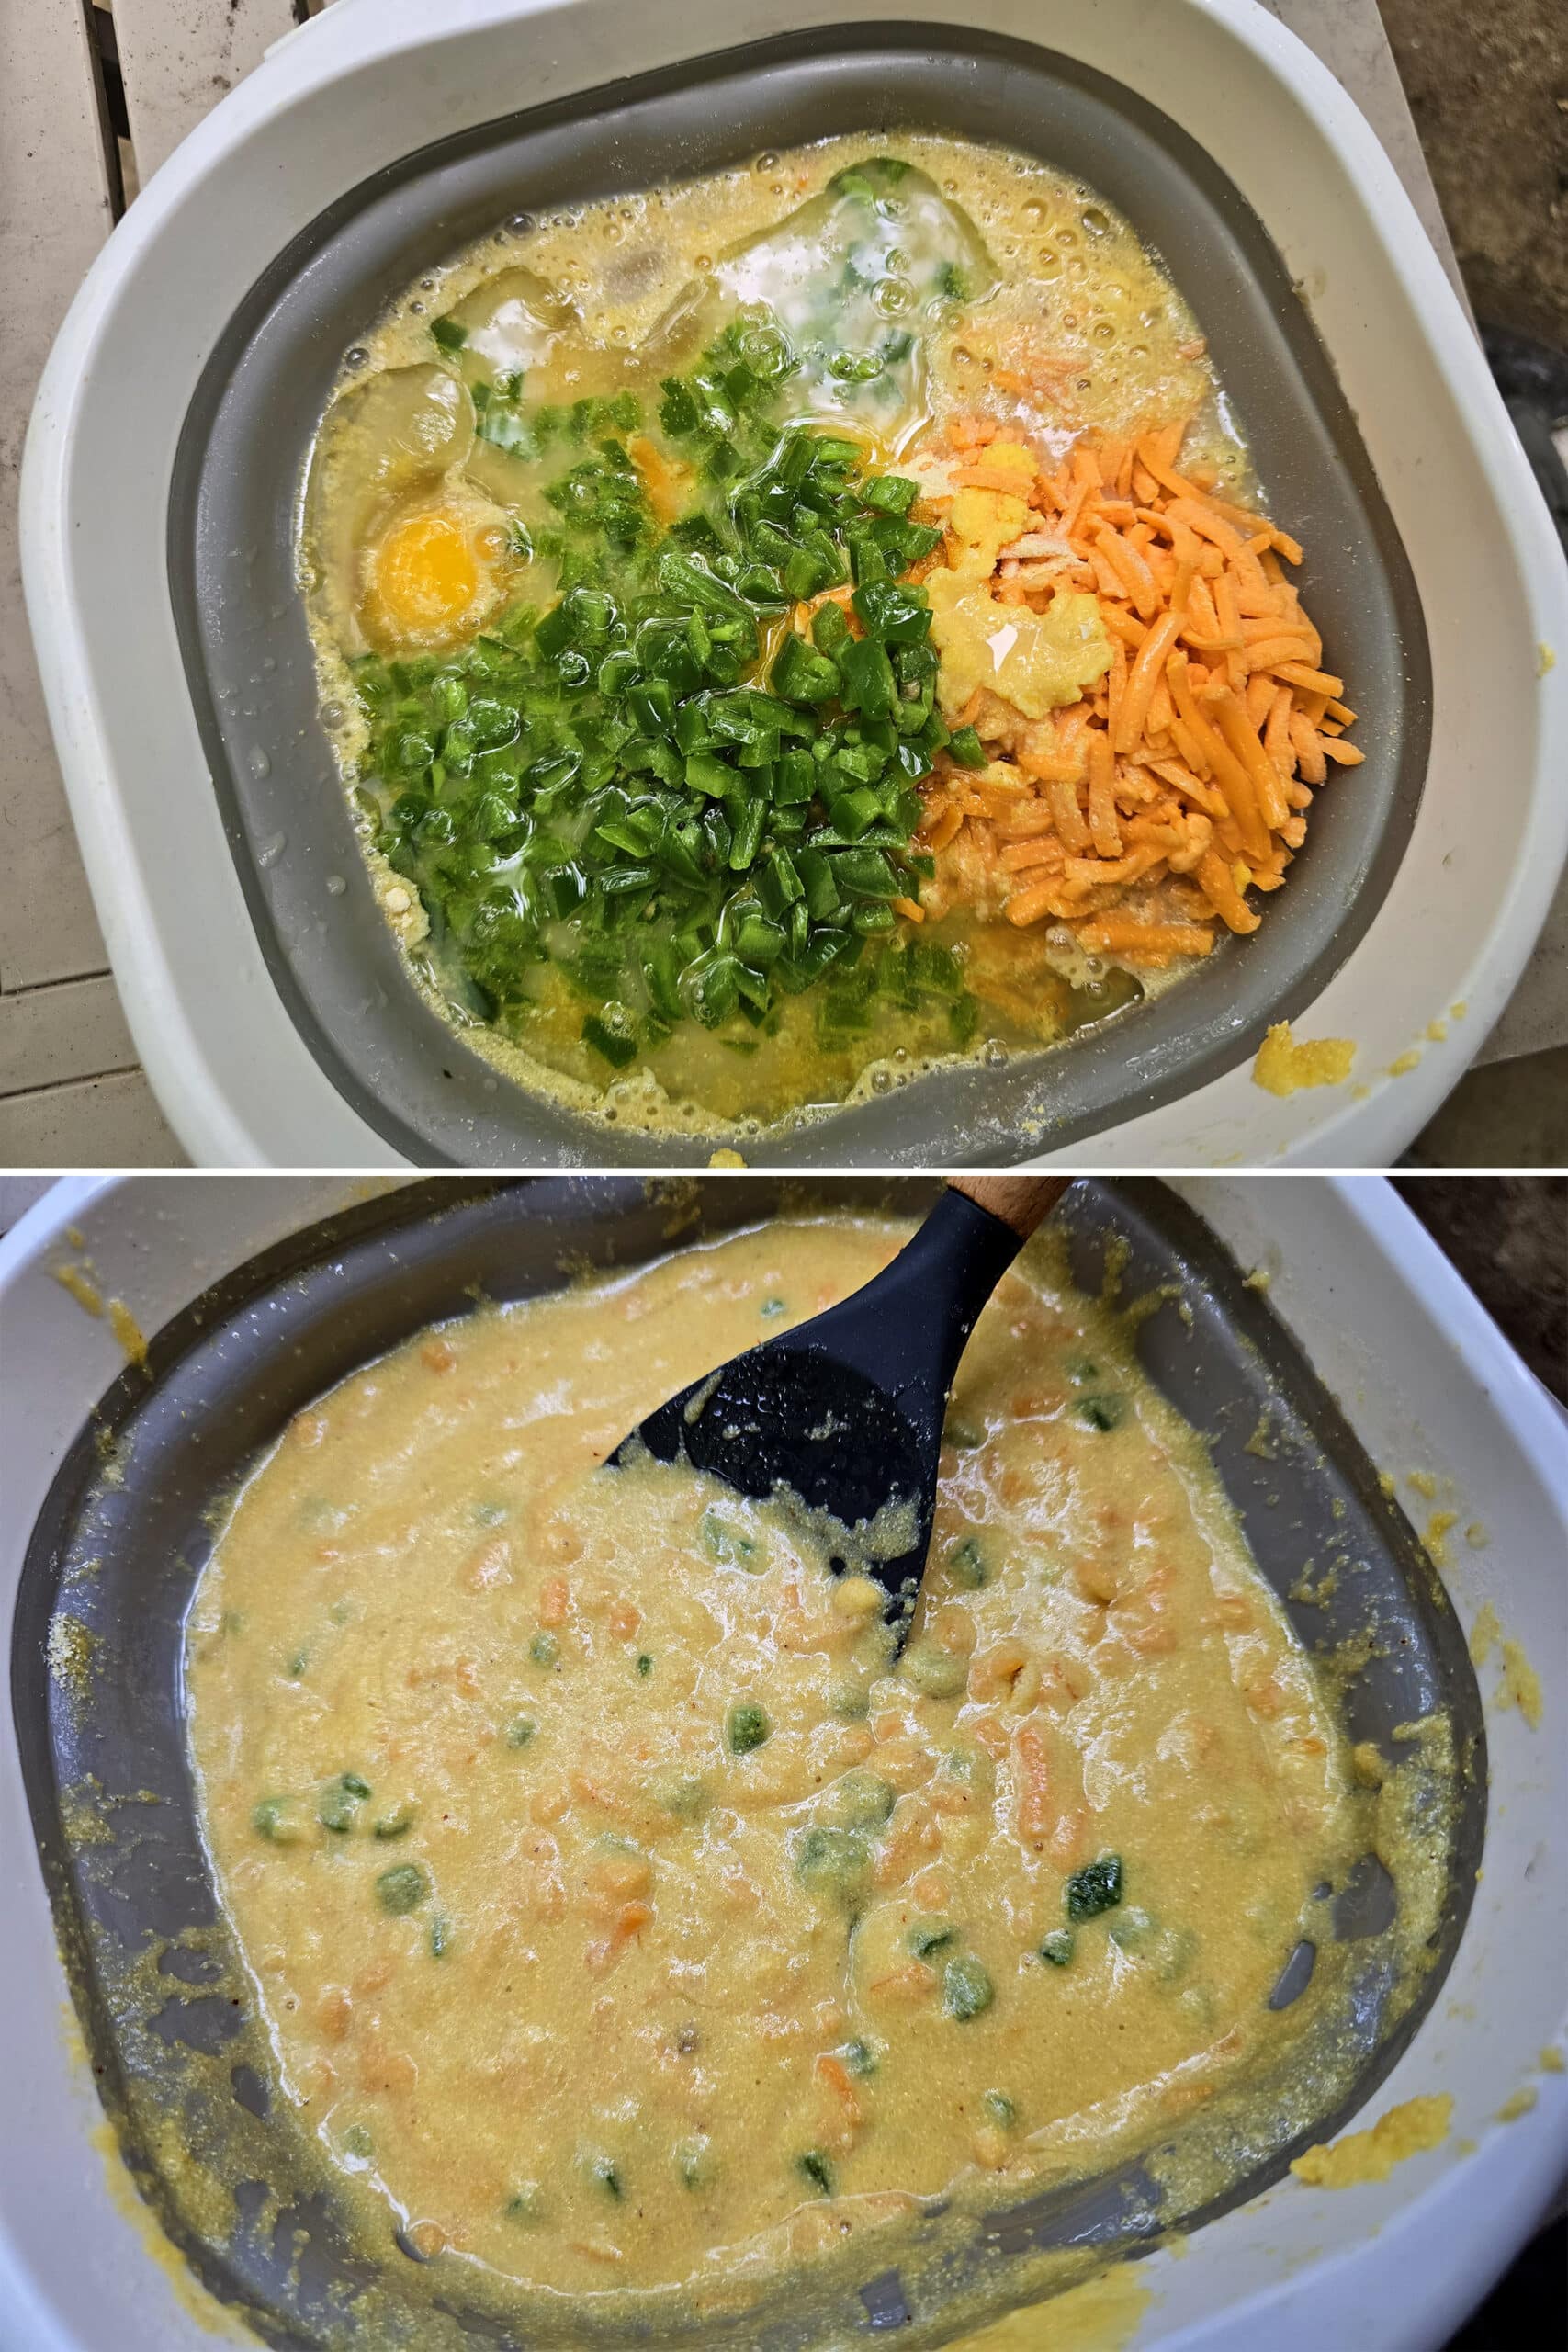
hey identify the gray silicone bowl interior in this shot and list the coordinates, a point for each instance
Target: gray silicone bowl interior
(248, 664)
(122, 1549)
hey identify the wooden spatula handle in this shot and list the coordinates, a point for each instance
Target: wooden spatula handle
(1020, 1202)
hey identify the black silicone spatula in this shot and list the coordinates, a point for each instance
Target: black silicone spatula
(846, 1410)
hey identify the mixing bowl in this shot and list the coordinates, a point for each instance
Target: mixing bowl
(254, 1299)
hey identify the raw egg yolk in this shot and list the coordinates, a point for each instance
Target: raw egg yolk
(427, 578)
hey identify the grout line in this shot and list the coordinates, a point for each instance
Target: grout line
(67, 981)
(109, 89)
(80, 1078)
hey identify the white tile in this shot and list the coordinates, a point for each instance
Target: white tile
(177, 58)
(73, 1030)
(54, 214)
(94, 1123)
(1348, 36)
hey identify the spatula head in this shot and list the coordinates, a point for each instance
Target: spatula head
(802, 1420)
(845, 1412)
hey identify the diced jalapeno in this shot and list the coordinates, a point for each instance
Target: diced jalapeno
(967, 1989)
(859, 2056)
(684, 1796)
(535, 785)
(930, 1935)
(967, 1562)
(832, 1862)
(337, 1808)
(863, 1800)
(273, 1820)
(403, 1888)
(849, 1701)
(746, 1727)
(939, 1673)
(1094, 1889)
(1101, 1412)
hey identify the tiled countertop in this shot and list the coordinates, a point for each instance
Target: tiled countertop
(71, 1094)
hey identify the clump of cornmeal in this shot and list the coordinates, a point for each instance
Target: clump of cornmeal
(1284, 1068)
(1407, 2130)
(1037, 661)
(1520, 1685)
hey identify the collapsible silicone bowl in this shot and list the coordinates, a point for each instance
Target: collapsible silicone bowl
(161, 486)
(253, 1297)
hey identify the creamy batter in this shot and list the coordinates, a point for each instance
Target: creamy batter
(626, 1917)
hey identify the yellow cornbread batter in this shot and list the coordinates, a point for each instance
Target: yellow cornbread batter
(624, 1916)
(1407, 2130)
